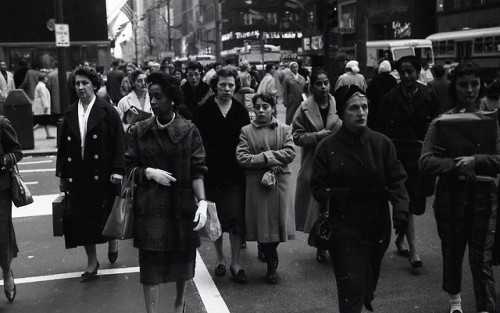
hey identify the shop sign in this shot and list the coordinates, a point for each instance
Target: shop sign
(257, 34)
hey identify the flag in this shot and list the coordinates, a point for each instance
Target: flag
(129, 13)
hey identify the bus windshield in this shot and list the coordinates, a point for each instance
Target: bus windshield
(401, 52)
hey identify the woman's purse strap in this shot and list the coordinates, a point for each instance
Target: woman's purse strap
(328, 199)
(129, 182)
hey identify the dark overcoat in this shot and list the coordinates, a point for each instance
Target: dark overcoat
(164, 215)
(90, 192)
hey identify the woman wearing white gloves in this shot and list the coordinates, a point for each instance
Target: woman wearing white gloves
(167, 152)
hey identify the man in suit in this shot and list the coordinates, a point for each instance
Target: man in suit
(6, 81)
(114, 82)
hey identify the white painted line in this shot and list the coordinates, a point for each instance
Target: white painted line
(43, 170)
(209, 293)
(31, 182)
(35, 162)
(42, 205)
(37, 279)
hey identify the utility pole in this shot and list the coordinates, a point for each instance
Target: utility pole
(62, 63)
(217, 31)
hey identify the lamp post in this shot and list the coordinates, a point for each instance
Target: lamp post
(62, 63)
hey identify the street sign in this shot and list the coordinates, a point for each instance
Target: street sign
(62, 35)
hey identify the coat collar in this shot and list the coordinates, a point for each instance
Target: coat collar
(311, 110)
(177, 130)
(96, 115)
(354, 139)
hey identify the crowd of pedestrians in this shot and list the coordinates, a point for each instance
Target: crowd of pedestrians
(189, 134)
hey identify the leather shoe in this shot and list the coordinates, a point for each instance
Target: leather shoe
(220, 270)
(272, 277)
(10, 294)
(112, 256)
(402, 250)
(86, 276)
(415, 264)
(240, 277)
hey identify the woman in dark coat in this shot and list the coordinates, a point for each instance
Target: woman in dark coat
(220, 120)
(168, 157)
(361, 169)
(10, 154)
(90, 166)
(406, 112)
(465, 207)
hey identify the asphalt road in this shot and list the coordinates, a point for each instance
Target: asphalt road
(47, 275)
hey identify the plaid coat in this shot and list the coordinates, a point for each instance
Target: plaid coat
(164, 215)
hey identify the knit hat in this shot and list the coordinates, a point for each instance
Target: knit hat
(384, 67)
(342, 95)
(353, 65)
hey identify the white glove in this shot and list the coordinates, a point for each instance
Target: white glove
(160, 176)
(201, 215)
(116, 178)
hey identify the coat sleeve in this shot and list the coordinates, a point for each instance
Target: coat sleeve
(320, 176)
(132, 159)
(198, 163)
(395, 177)
(429, 163)
(302, 136)
(489, 163)
(10, 145)
(118, 162)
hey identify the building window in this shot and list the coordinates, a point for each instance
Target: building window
(272, 18)
(247, 19)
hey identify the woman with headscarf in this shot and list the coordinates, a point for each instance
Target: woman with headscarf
(294, 92)
(314, 120)
(360, 168)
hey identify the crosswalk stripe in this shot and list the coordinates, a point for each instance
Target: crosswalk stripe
(35, 162)
(209, 294)
(42, 205)
(37, 170)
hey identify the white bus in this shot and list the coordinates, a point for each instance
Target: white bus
(480, 45)
(255, 56)
(203, 59)
(393, 50)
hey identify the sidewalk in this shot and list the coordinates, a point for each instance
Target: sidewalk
(43, 146)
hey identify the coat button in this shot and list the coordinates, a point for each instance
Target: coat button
(69, 159)
(94, 136)
(70, 180)
(96, 156)
(69, 138)
(96, 177)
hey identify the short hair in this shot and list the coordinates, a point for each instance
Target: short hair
(462, 69)
(115, 63)
(193, 66)
(264, 97)
(133, 76)
(315, 74)
(413, 60)
(439, 70)
(269, 67)
(226, 71)
(244, 66)
(91, 74)
(170, 86)
(178, 70)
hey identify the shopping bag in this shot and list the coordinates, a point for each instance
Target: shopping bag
(120, 224)
(212, 229)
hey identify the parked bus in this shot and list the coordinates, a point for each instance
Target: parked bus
(480, 45)
(393, 50)
(253, 55)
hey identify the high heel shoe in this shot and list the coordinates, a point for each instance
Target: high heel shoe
(86, 276)
(239, 277)
(10, 294)
(415, 264)
(112, 256)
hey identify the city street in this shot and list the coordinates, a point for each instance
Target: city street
(47, 275)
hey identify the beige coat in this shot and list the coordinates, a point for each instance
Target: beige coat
(269, 213)
(6, 86)
(306, 124)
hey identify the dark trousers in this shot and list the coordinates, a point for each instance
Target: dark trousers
(357, 268)
(473, 224)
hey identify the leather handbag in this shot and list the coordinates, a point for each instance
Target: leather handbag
(58, 211)
(120, 223)
(321, 231)
(19, 191)
(212, 229)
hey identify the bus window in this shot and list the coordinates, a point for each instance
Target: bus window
(425, 54)
(478, 45)
(488, 44)
(442, 47)
(450, 47)
(497, 44)
(399, 53)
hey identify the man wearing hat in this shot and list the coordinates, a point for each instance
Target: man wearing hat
(351, 76)
(378, 87)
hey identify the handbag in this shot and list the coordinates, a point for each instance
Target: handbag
(19, 191)
(58, 211)
(120, 223)
(321, 231)
(212, 229)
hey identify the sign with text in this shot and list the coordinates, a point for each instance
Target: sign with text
(62, 35)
